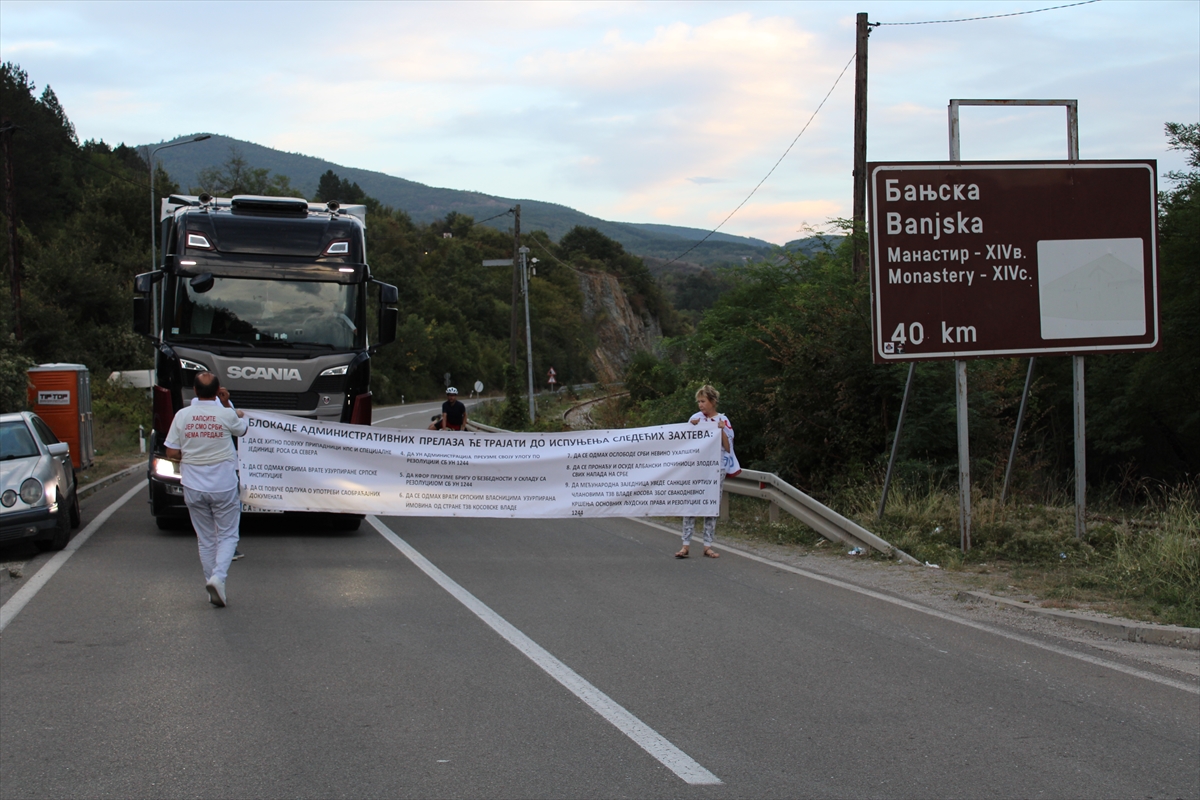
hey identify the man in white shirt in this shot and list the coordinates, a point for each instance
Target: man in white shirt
(201, 438)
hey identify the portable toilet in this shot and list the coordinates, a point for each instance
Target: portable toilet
(61, 394)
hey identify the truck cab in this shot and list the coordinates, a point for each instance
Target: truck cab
(273, 295)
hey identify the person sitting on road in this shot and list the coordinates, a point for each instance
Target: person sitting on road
(454, 413)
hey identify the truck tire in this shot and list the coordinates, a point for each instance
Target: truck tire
(347, 522)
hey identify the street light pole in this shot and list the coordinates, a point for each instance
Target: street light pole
(524, 251)
(153, 214)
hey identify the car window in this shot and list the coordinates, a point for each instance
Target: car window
(44, 433)
(16, 441)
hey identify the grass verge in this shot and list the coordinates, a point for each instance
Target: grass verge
(1138, 562)
(117, 413)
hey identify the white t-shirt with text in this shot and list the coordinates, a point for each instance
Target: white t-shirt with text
(204, 433)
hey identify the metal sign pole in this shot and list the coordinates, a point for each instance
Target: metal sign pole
(1077, 364)
(1080, 450)
(964, 456)
(1012, 453)
(960, 393)
(887, 478)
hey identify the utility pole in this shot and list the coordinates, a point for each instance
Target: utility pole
(528, 335)
(860, 145)
(516, 286)
(7, 129)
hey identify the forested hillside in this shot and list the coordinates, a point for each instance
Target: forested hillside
(83, 232)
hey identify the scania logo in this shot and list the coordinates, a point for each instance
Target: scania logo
(264, 373)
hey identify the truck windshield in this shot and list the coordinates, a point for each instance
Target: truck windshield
(271, 313)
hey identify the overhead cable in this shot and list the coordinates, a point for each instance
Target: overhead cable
(489, 219)
(990, 16)
(777, 163)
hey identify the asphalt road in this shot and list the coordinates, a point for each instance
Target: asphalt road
(340, 669)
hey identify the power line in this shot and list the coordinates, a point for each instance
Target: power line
(489, 219)
(777, 163)
(990, 16)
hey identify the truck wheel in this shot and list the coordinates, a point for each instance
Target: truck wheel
(347, 522)
(62, 534)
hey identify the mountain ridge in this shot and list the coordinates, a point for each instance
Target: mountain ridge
(429, 203)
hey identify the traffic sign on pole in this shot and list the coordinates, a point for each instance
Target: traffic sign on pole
(1001, 259)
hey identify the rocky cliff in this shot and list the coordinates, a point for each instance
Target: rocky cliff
(621, 330)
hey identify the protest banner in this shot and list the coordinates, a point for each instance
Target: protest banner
(297, 464)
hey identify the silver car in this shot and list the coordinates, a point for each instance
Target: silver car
(38, 497)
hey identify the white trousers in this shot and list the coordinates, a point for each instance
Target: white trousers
(710, 523)
(215, 516)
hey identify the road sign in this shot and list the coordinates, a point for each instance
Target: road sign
(478, 386)
(997, 259)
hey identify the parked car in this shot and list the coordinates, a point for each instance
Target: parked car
(38, 494)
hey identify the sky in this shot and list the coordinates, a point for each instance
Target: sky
(666, 112)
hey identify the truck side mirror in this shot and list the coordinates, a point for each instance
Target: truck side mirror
(143, 301)
(141, 315)
(389, 295)
(202, 282)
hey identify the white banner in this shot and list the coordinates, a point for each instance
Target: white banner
(294, 464)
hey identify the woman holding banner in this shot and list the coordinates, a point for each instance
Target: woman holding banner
(707, 398)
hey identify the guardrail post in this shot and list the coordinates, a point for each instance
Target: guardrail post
(772, 512)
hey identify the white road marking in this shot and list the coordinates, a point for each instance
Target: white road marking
(432, 407)
(642, 734)
(1016, 637)
(401, 416)
(40, 578)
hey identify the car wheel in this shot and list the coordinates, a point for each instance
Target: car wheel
(62, 534)
(76, 516)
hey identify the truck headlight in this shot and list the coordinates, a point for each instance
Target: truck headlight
(165, 469)
(31, 491)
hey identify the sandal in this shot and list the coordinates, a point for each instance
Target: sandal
(682, 553)
(710, 553)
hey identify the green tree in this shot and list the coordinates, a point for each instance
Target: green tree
(236, 176)
(330, 187)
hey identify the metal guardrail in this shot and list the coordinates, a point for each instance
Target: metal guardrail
(816, 515)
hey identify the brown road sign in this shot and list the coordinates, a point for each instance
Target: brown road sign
(1016, 258)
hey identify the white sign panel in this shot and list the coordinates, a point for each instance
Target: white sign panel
(291, 464)
(61, 398)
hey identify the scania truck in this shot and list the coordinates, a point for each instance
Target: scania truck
(274, 296)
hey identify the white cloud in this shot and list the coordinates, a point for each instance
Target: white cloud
(625, 110)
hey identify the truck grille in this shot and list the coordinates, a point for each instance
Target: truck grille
(329, 384)
(275, 401)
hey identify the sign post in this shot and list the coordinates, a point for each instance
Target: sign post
(1004, 259)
